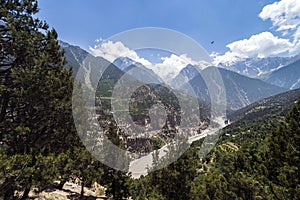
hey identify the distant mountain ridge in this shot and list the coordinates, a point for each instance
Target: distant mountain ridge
(279, 71)
(185, 75)
(277, 105)
(257, 67)
(137, 70)
(240, 90)
(287, 77)
(124, 62)
(74, 55)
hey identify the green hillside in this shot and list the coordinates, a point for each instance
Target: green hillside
(254, 159)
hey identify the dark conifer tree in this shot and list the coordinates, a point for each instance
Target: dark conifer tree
(35, 93)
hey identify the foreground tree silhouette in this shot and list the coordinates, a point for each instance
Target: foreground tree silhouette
(35, 116)
(38, 140)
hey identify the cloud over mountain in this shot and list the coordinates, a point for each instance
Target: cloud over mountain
(112, 50)
(285, 18)
(168, 68)
(261, 45)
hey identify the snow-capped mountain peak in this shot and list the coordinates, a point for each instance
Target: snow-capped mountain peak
(256, 67)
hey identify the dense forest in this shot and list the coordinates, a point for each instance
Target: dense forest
(257, 156)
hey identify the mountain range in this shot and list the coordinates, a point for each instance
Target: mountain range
(280, 71)
(137, 70)
(273, 76)
(287, 77)
(273, 106)
(240, 90)
(256, 67)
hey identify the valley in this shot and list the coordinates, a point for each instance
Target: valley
(109, 106)
(253, 108)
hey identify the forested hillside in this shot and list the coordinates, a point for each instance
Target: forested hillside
(256, 157)
(252, 160)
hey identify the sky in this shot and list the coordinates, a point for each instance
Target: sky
(239, 29)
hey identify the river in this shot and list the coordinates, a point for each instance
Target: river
(140, 166)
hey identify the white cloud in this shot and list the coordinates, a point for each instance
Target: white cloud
(167, 69)
(171, 66)
(285, 14)
(260, 45)
(99, 40)
(297, 34)
(227, 58)
(285, 17)
(112, 50)
(296, 47)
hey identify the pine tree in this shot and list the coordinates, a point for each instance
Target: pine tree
(173, 181)
(80, 164)
(35, 93)
(116, 181)
(283, 157)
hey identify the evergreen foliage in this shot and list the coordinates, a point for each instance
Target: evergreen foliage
(260, 162)
(38, 140)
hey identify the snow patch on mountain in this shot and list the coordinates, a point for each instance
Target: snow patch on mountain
(257, 67)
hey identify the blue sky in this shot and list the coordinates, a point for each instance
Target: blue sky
(81, 22)
(230, 22)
